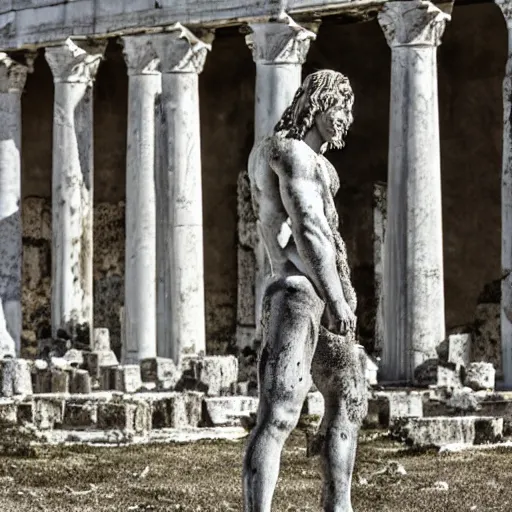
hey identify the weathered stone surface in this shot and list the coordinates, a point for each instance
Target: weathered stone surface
(134, 417)
(16, 377)
(178, 410)
(108, 378)
(60, 381)
(213, 375)
(227, 411)
(80, 414)
(463, 400)
(487, 338)
(80, 382)
(414, 320)
(101, 340)
(480, 376)
(160, 370)
(440, 431)
(128, 378)
(42, 381)
(75, 357)
(372, 369)
(48, 412)
(448, 376)
(398, 404)
(314, 404)
(459, 349)
(8, 411)
(94, 361)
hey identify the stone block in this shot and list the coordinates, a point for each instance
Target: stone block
(16, 378)
(48, 412)
(60, 381)
(42, 381)
(448, 376)
(94, 361)
(488, 430)
(74, 357)
(459, 349)
(314, 404)
(440, 431)
(212, 375)
(133, 417)
(48, 347)
(426, 373)
(80, 382)
(372, 369)
(160, 370)
(81, 414)
(487, 341)
(227, 411)
(178, 410)
(25, 413)
(480, 376)
(108, 378)
(8, 411)
(463, 400)
(128, 378)
(101, 340)
(398, 404)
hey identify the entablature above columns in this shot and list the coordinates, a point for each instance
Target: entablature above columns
(34, 23)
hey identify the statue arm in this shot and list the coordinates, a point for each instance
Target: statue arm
(302, 198)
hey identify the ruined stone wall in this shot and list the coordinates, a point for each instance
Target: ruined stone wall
(471, 65)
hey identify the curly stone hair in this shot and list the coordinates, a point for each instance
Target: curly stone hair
(319, 92)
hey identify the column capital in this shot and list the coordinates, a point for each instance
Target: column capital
(12, 74)
(71, 64)
(140, 55)
(506, 9)
(280, 42)
(412, 23)
(179, 50)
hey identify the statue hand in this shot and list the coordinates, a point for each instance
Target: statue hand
(345, 319)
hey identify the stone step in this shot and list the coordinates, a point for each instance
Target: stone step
(439, 431)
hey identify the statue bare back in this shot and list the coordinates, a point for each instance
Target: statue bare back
(308, 321)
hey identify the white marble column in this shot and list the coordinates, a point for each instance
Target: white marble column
(12, 81)
(144, 87)
(180, 275)
(413, 259)
(72, 189)
(506, 208)
(279, 49)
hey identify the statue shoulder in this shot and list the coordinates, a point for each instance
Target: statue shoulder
(290, 157)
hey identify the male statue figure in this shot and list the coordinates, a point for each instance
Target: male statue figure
(308, 316)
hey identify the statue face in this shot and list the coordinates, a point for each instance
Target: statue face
(333, 124)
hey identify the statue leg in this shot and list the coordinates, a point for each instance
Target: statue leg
(339, 373)
(290, 321)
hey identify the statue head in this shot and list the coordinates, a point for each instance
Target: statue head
(324, 100)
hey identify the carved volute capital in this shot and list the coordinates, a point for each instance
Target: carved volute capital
(139, 55)
(179, 50)
(12, 74)
(279, 42)
(506, 9)
(71, 64)
(413, 23)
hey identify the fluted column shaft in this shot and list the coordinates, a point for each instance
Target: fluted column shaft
(144, 87)
(180, 288)
(72, 189)
(506, 209)
(413, 262)
(12, 81)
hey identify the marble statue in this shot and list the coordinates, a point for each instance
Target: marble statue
(308, 319)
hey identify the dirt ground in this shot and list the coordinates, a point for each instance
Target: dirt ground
(205, 476)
